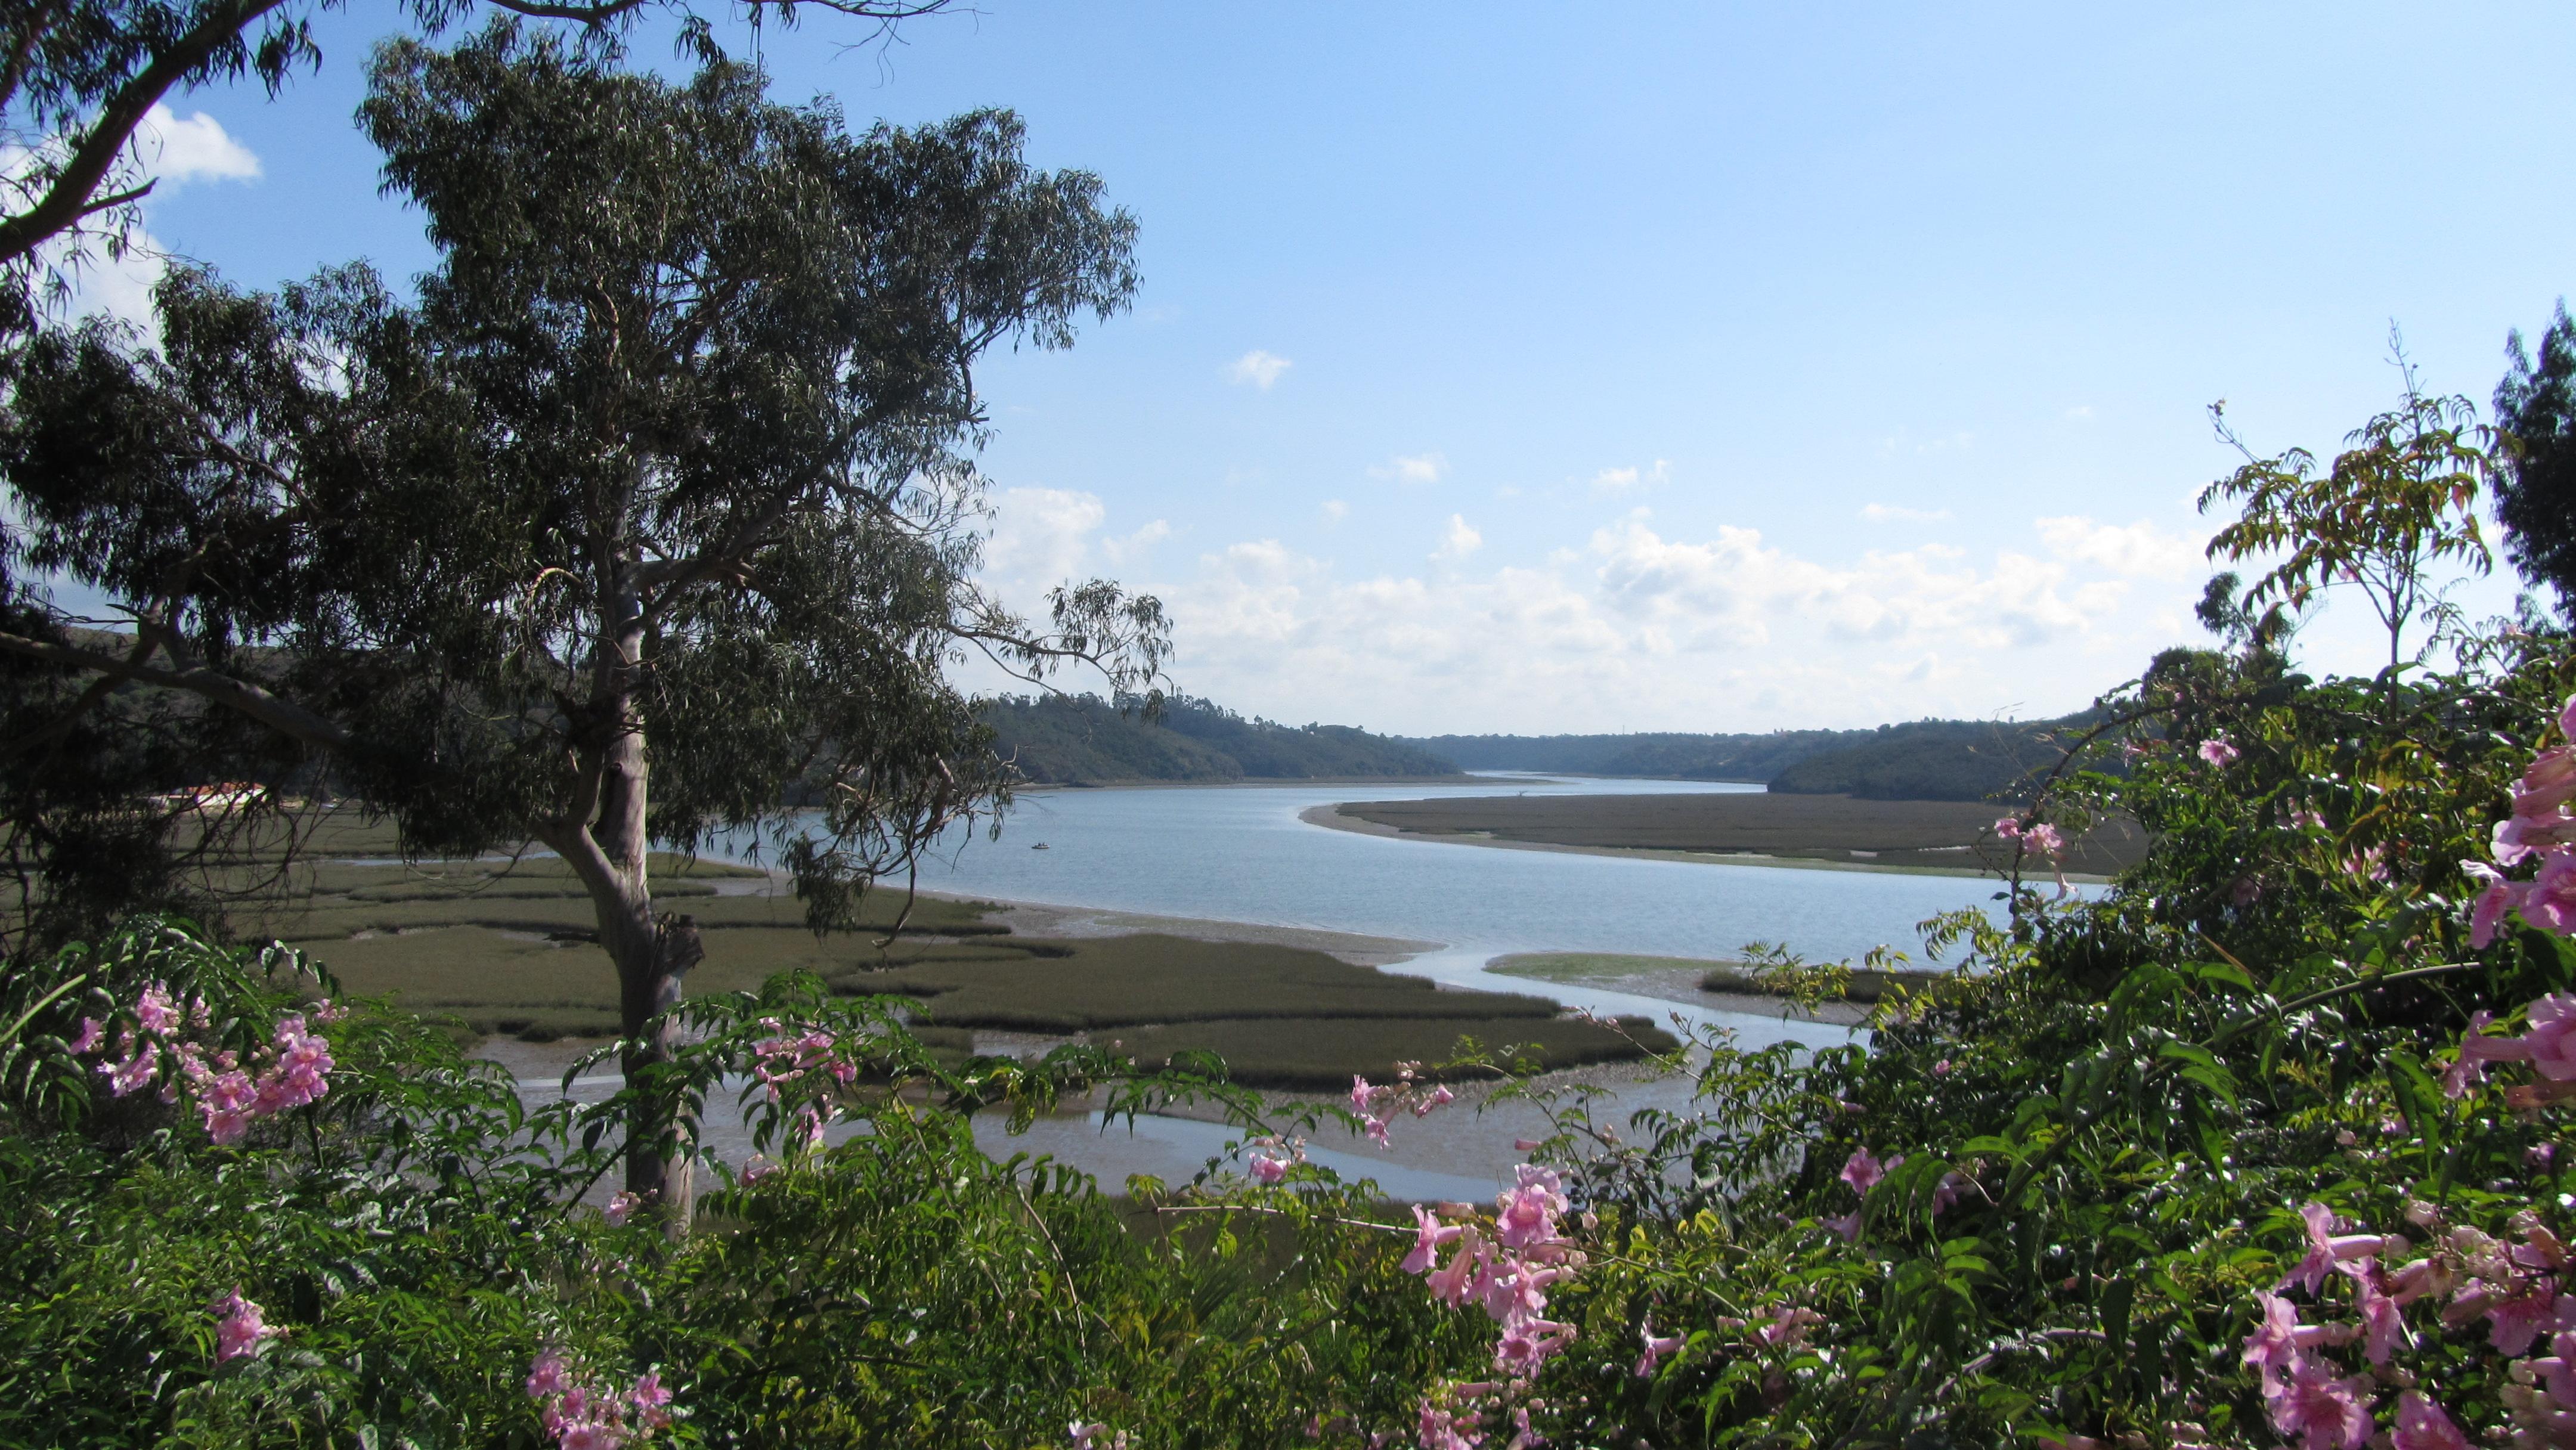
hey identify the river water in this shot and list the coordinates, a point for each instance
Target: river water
(1240, 854)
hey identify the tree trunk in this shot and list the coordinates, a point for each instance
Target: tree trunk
(609, 852)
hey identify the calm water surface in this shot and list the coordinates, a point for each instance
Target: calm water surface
(1239, 853)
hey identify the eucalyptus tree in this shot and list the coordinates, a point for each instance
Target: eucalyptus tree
(653, 517)
(78, 78)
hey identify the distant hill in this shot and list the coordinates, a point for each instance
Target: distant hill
(1754, 758)
(1085, 740)
(1928, 760)
(1937, 760)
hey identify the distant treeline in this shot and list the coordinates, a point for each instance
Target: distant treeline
(1083, 739)
(1931, 760)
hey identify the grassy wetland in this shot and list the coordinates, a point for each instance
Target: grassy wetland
(1947, 836)
(505, 948)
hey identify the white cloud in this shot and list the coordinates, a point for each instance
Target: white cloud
(1420, 468)
(168, 150)
(1258, 368)
(2137, 549)
(1458, 541)
(1888, 513)
(1041, 536)
(1635, 629)
(194, 149)
(1620, 480)
(1135, 548)
(1335, 511)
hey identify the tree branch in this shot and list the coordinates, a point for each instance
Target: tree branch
(209, 684)
(69, 199)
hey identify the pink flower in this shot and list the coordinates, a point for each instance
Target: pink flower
(1941, 1068)
(586, 1435)
(1082, 1435)
(2383, 1323)
(2273, 1348)
(1454, 1281)
(90, 1034)
(1362, 1094)
(1789, 1325)
(154, 1012)
(2496, 896)
(1527, 1342)
(649, 1396)
(134, 1073)
(2044, 839)
(2517, 837)
(1376, 1129)
(2008, 828)
(2424, 1425)
(2515, 1320)
(1863, 1172)
(1846, 1225)
(2550, 904)
(1430, 1236)
(1440, 1097)
(240, 1329)
(2218, 752)
(1266, 1169)
(1526, 1214)
(2548, 1041)
(622, 1207)
(2329, 1413)
(2326, 1252)
(1656, 1349)
(1947, 1192)
(547, 1377)
(758, 1169)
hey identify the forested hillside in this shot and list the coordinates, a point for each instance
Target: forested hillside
(1688, 757)
(1936, 760)
(1083, 739)
(1933, 760)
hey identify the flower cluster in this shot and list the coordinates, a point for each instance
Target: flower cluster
(1376, 1103)
(581, 1413)
(2040, 839)
(291, 1070)
(782, 1058)
(1505, 1267)
(239, 1327)
(2542, 825)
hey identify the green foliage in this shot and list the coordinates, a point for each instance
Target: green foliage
(2535, 409)
(1940, 760)
(2400, 500)
(1081, 739)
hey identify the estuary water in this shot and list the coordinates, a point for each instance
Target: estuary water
(1240, 853)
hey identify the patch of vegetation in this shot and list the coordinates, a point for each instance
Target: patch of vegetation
(1102, 982)
(1913, 834)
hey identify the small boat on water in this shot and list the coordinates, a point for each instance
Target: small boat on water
(1040, 846)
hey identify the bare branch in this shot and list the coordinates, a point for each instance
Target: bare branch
(200, 680)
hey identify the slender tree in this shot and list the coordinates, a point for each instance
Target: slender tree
(653, 518)
(2400, 499)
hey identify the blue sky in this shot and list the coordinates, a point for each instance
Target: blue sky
(1528, 368)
